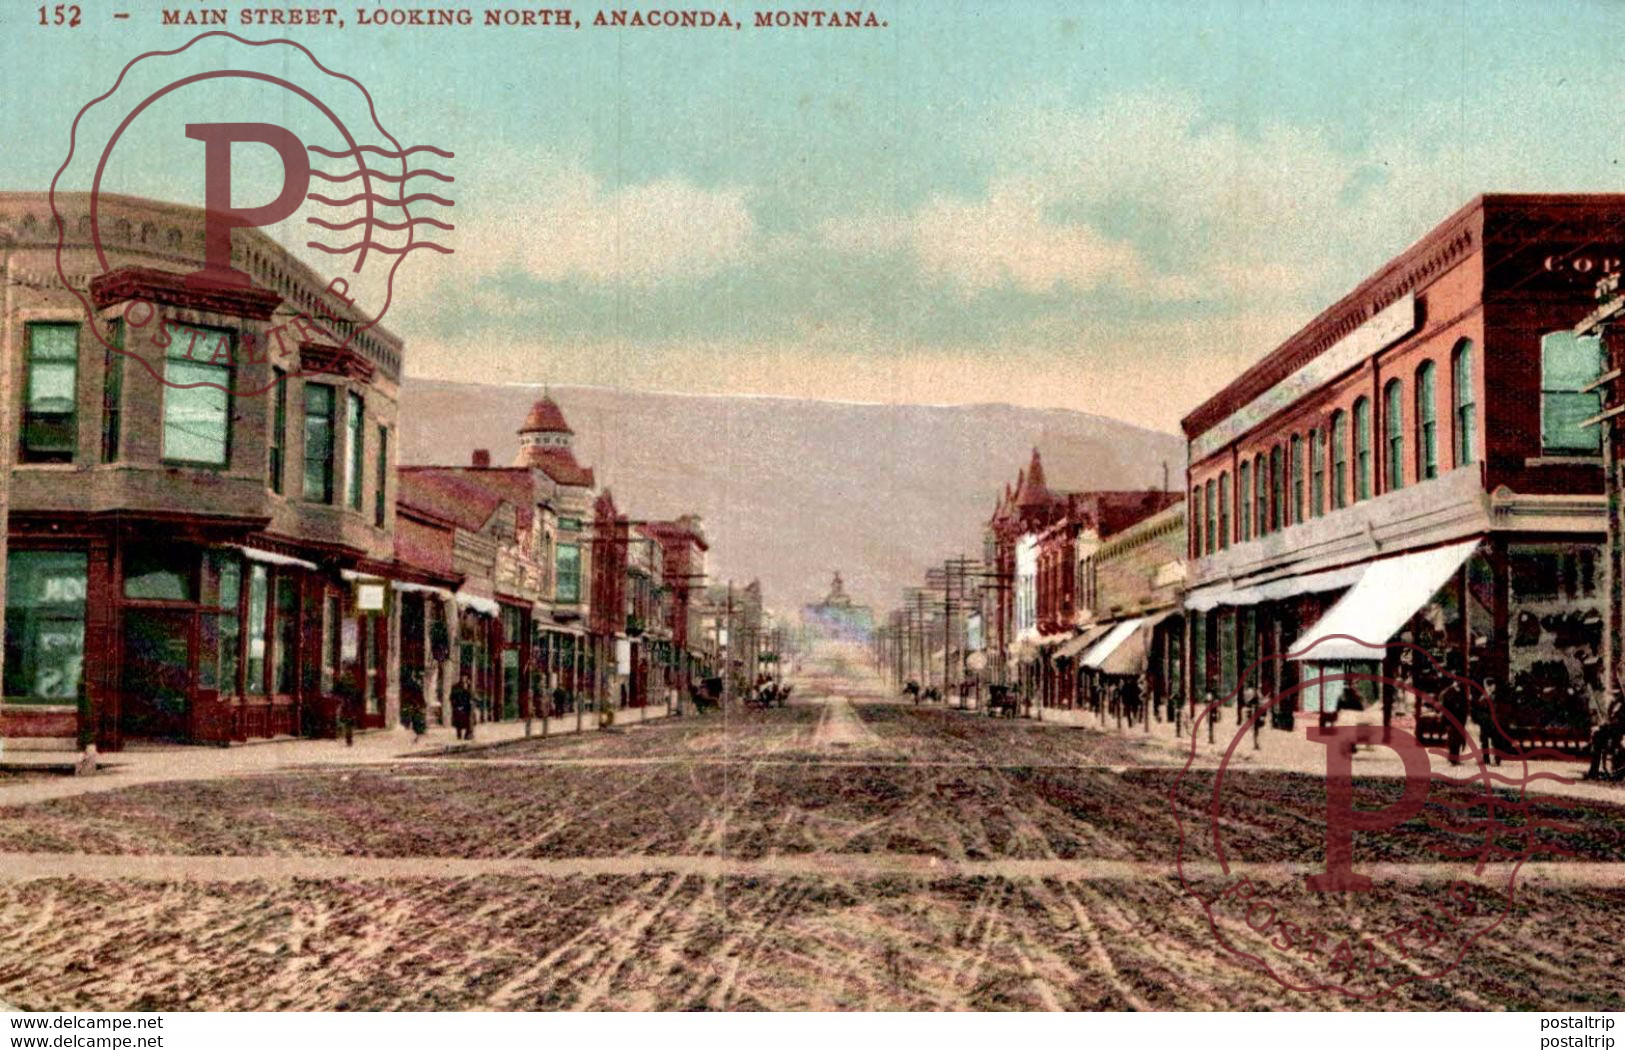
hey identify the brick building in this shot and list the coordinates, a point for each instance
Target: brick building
(185, 563)
(1410, 466)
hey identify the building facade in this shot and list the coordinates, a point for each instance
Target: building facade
(186, 563)
(1412, 466)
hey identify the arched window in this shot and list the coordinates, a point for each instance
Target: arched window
(1207, 498)
(1261, 496)
(1339, 457)
(1295, 503)
(1362, 449)
(1277, 489)
(1427, 425)
(1244, 496)
(1461, 371)
(1196, 521)
(1317, 475)
(1393, 411)
(1224, 510)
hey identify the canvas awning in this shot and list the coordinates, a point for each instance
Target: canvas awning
(272, 558)
(1388, 593)
(485, 606)
(1120, 633)
(407, 587)
(1082, 640)
(1133, 654)
(1273, 590)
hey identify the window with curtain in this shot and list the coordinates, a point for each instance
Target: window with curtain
(197, 407)
(50, 394)
(1339, 458)
(320, 402)
(1244, 494)
(1317, 475)
(1362, 449)
(1461, 370)
(1567, 366)
(355, 423)
(1427, 425)
(1393, 412)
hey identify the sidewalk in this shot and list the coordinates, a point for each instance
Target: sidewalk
(1293, 752)
(149, 765)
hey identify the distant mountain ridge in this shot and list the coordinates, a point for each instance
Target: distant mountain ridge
(791, 490)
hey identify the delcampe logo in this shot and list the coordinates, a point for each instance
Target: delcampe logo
(326, 175)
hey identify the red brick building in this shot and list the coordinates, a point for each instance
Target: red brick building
(1409, 466)
(187, 563)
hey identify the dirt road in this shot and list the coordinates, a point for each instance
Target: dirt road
(839, 853)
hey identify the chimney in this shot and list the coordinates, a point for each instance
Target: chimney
(482, 457)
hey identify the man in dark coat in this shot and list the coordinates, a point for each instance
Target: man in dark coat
(462, 708)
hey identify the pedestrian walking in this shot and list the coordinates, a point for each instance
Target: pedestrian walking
(462, 708)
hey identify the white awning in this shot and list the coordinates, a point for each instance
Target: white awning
(1106, 646)
(1083, 640)
(1274, 590)
(421, 588)
(485, 606)
(1388, 594)
(270, 558)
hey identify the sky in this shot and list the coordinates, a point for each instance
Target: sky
(1108, 207)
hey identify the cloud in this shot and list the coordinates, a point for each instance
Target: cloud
(562, 222)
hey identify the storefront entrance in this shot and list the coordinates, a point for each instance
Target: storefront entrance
(157, 674)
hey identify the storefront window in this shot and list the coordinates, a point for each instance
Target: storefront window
(1556, 628)
(45, 626)
(219, 628)
(165, 573)
(258, 594)
(287, 634)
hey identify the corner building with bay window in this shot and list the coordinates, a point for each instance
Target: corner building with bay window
(1410, 466)
(185, 564)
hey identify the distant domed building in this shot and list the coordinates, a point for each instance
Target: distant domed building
(838, 617)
